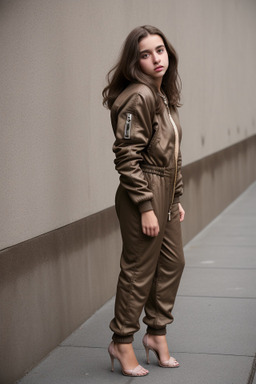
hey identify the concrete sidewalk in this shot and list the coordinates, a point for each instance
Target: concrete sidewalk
(214, 332)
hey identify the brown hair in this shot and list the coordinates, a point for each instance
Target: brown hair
(127, 70)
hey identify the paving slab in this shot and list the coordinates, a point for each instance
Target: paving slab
(216, 256)
(213, 326)
(241, 240)
(217, 282)
(220, 233)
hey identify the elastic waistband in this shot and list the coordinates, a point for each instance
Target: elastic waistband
(161, 171)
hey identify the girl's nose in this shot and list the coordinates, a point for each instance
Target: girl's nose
(156, 59)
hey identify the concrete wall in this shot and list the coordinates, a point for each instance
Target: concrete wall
(58, 231)
(55, 137)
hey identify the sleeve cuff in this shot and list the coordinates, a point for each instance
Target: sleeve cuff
(145, 206)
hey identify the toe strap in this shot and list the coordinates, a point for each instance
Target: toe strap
(137, 371)
(171, 363)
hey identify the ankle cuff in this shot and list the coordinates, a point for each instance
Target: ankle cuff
(154, 331)
(122, 339)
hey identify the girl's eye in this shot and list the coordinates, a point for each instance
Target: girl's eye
(144, 56)
(160, 50)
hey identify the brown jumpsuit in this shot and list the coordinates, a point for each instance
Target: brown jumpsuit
(150, 178)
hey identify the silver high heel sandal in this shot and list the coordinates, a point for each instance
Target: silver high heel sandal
(136, 372)
(171, 363)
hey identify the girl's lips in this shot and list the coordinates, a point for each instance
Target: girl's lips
(158, 69)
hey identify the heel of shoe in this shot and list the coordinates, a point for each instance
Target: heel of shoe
(145, 344)
(112, 357)
(147, 353)
(112, 362)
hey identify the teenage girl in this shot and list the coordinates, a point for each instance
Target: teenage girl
(143, 94)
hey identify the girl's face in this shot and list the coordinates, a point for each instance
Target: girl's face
(154, 59)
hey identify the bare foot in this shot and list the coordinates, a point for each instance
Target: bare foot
(159, 343)
(126, 356)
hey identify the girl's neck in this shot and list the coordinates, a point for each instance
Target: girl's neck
(161, 93)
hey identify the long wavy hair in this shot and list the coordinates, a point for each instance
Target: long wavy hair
(127, 70)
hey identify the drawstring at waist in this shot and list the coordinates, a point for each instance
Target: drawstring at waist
(161, 171)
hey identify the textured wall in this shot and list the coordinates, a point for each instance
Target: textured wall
(55, 155)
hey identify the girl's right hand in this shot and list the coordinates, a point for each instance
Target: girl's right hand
(149, 223)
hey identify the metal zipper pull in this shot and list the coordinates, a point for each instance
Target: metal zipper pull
(127, 127)
(165, 102)
(169, 216)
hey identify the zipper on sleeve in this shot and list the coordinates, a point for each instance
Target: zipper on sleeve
(127, 127)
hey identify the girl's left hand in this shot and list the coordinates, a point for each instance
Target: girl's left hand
(181, 211)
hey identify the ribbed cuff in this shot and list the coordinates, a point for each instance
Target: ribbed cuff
(154, 331)
(145, 206)
(122, 339)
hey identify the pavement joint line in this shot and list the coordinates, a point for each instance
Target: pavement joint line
(198, 244)
(213, 245)
(226, 268)
(80, 346)
(219, 297)
(212, 354)
(173, 352)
